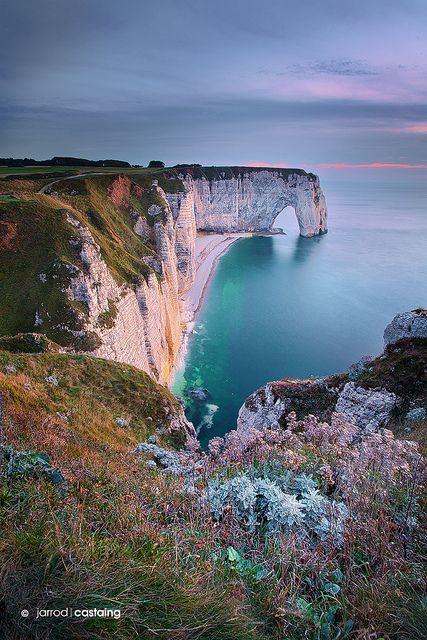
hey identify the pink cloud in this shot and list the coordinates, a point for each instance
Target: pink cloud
(340, 165)
(373, 165)
(387, 84)
(417, 128)
(281, 165)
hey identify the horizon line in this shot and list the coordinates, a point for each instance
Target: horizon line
(343, 165)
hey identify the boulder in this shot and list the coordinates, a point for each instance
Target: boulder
(369, 409)
(270, 404)
(404, 326)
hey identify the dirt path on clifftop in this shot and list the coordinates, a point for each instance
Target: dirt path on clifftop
(78, 175)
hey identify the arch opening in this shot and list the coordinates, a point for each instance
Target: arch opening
(286, 221)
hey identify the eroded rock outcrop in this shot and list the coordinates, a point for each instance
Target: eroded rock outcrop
(113, 254)
(406, 326)
(263, 409)
(251, 200)
(375, 393)
(369, 409)
(269, 406)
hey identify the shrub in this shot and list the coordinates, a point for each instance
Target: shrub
(262, 502)
(29, 462)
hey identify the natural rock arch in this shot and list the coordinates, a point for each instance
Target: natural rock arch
(251, 201)
(285, 219)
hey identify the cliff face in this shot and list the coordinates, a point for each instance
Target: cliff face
(244, 201)
(130, 252)
(183, 212)
(139, 324)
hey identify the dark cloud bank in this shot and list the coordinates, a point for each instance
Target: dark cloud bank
(229, 83)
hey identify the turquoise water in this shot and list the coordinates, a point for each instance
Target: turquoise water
(285, 306)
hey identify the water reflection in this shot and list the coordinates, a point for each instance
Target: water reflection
(304, 247)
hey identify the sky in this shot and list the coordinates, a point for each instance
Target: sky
(314, 83)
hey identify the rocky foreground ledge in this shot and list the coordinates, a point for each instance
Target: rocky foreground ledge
(387, 391)
(376, 394)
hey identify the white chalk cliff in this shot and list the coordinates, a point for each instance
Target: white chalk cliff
(145, 328)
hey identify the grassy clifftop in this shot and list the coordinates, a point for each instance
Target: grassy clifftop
(36, 247)
(39, 247)
(82, 397)
(228, 172)
(87, 523)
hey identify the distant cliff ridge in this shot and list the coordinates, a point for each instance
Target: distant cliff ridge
(61, 161)
(120, 251)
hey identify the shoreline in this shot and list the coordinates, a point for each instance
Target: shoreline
(210, 247)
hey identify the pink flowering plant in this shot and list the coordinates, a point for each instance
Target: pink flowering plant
(346, 506)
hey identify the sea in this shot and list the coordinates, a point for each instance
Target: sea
(283, 306)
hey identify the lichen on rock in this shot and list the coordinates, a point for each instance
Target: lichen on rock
(406, 326)
(367, 408)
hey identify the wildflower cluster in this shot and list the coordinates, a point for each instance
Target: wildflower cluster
(312, 479)
(240, 448)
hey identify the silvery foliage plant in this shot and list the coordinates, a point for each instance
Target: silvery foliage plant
(284, 502)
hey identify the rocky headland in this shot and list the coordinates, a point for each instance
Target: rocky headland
(117, 272)
(387, 391)
(306, 521)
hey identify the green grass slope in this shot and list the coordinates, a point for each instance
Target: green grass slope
(38, 247)
(91, 393)
(85, 523)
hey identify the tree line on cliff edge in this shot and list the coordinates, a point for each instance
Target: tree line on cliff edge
(68, 161)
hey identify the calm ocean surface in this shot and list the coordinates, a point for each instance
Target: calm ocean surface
(286, 306)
